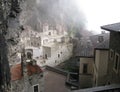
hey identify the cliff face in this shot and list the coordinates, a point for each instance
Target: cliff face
(9, 11)
(16, 14)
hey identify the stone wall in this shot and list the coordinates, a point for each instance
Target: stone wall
(115, 46)
(9, 9)
(27, 84)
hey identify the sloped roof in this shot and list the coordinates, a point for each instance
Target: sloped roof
(16, 71)
(112, 27)
(94, 38)
(86, 52)
(103, 45)
(84, 49)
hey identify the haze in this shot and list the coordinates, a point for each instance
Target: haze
(99, 12)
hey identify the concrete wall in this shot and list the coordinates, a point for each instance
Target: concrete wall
(86, 60)
(101, 61)
(115, 46)
(85, 81)
(101, 67)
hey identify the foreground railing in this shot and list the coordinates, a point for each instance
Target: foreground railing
(107, 88)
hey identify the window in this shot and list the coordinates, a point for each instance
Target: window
(37, 44)
(116, 62)
(29, 55)
(95, 81)
(49, 33)
(85, 67)
(45, 56)
(31, 43)
(111, 54)
(36, 89)
(58, 55)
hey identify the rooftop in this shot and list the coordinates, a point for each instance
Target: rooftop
(103, 45)
(16, 71)
(112, 27)
(94, 38)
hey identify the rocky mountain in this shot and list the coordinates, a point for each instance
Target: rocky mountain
(16, 14)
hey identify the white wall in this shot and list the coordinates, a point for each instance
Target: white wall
(66, 54)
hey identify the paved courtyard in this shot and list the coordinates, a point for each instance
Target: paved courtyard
(54, 82)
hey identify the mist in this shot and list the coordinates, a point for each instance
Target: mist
(63, 12)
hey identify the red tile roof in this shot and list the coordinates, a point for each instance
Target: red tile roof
(16, 71)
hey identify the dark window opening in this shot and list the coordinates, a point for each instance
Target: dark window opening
(85, 67)
(58, 55)
(36, 88)
(31, 43)
(45, 56)
(116, 62)
(111, 54)
(38, 44)
(49, 33)
(29, 55)
(41, 75)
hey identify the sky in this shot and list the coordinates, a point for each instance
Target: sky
(99, 12)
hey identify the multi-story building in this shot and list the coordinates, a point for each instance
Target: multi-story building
(52, 45)
(30, 38)
(101, 53)
(114, 53)
(86, 71)
(27, 76)
(93, 57)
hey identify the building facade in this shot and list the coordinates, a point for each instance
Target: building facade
(86, 72)
(100, 67)
(27, 76)
(114, 53)
(50, 47)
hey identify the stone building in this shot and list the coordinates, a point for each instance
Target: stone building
(106, 65)
(55, 48)
(93, 56)
(114, 53)
(29, 37)
(27, 76)
(101, 53)
(86, 72)
(53, 45)
(55, 54)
